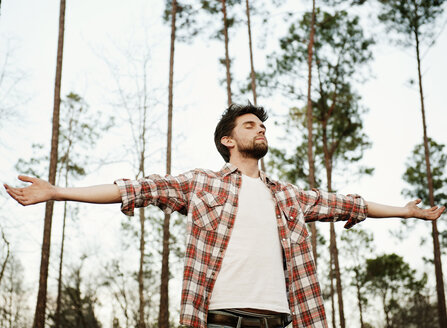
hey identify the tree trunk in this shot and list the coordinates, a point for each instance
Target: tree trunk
(436, 248)
(163, 316)
(359, 298)
(252, 67)
(333, 239)
(59, 280)
(5, 262)
(331, 273)
(310, 156)
(39, 316)
(141, 322)
(337, 276)
(227, 56)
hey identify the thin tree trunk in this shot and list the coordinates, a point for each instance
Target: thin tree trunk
(333, 239)
(252, 67)
(141, 322)
(310, 156)
(436, 248)
(5, 262)
(163, 319)
(359, 298)
(337, 276)
(227, 56)
(39, 316)
(59, 280)
(331, 264)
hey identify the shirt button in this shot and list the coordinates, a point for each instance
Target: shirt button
(213, 273)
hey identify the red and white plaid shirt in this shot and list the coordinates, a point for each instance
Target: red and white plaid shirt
(210, 201)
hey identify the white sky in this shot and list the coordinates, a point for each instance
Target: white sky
(102, 29)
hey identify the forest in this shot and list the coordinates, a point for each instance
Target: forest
(94, 91)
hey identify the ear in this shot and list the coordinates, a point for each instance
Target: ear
(227, 142)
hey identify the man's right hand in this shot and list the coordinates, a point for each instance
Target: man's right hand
(39, 191)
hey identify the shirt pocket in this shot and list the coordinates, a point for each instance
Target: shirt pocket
(206, 209)
(295, 223)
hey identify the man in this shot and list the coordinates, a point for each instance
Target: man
(248, 258)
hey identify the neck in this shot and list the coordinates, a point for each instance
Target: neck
(248, 166)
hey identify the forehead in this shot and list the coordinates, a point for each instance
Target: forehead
(247, 118)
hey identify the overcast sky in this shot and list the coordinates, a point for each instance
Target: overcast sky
(100, 34)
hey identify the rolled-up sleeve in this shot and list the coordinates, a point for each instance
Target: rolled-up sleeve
(319, 205)
(169, 193)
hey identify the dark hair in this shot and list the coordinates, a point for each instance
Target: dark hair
(228, 122)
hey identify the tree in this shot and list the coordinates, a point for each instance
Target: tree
(39, 318)
(416, 173)
(163, 316)
(14, 312)
(413, 23)
(340, 51)
(310, 155)
(6, 258)
(78, 306)
(213, 8)
(391, 279)
(11, 77)
(357, 244)
(79, 130)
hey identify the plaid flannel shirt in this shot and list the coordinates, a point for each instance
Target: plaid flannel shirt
(210, 201)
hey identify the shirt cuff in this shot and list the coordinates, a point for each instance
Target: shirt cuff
(127, 192)
(359, 211)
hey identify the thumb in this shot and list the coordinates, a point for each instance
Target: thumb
(26, 178)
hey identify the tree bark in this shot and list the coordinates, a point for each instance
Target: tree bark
(310, 156)
(59, 280)
(252, 67)
(39, 316)
(436, 248)
(333, 239)
(337, 276)
(331, 265)
(141, 321)
(163, 316)
(359, 297)
(227, 56)
(5, 262)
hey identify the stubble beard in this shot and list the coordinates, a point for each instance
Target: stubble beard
(256, 150)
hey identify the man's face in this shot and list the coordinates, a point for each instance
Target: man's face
(249, 136)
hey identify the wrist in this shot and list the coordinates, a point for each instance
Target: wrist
(56, 193)
(407, 213)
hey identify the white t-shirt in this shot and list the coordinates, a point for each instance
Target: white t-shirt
(252, 274)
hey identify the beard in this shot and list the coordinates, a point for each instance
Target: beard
(254, 149)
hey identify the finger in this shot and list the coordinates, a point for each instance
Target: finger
(12, 194)
(417, 201)
(26, 178)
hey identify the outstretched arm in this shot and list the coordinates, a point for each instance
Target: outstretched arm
(41, 191)
(411, 210)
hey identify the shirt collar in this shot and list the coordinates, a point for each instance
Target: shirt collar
(229, 168)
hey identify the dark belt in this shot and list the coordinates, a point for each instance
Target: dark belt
(241, 319)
